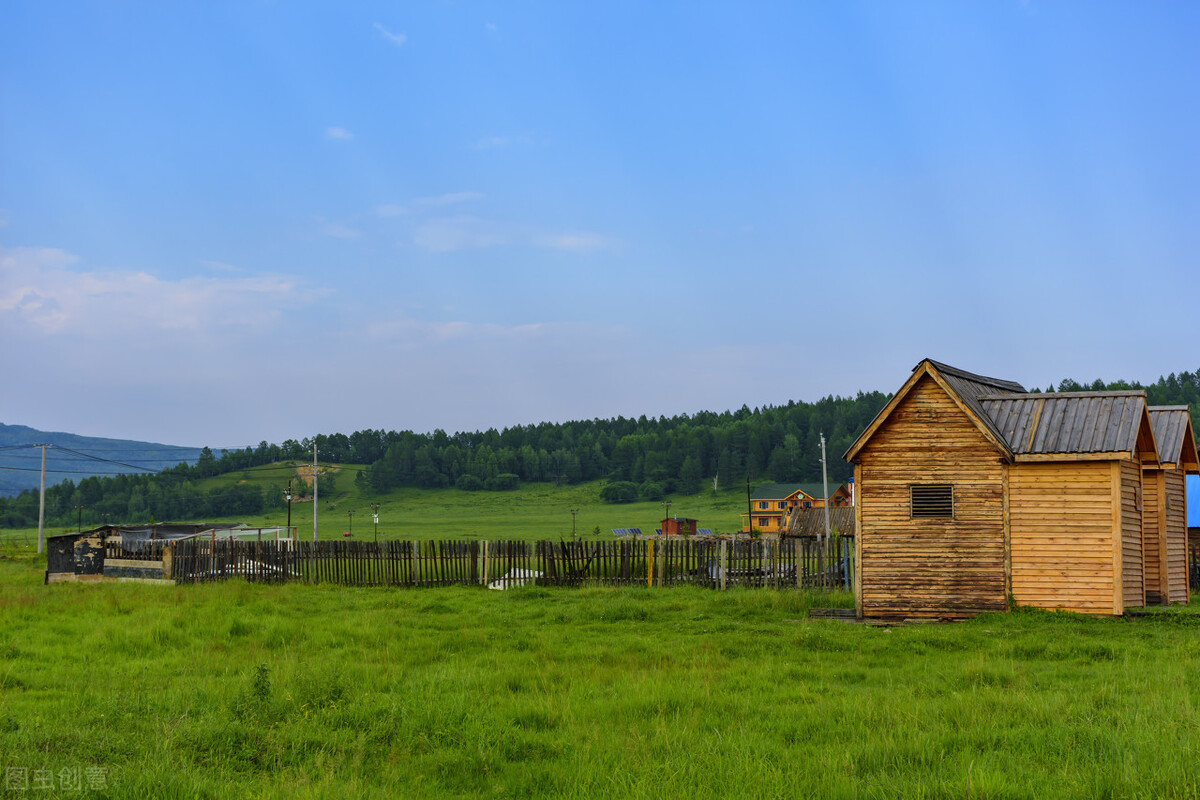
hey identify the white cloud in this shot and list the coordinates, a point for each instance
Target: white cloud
(448, 199)
(338, 231)
(419, 333)
(575, 241)
(391, 210)
(42, 294)
(496, 142)
(219, 266)
(460, 233)
(338, 134)
(397, 39)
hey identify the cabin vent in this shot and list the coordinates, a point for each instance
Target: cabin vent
(931, 501)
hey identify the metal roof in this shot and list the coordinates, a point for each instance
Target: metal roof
(781, 491)
(776, 491)
(971, 388)
(1067, 422)
(1170, 425)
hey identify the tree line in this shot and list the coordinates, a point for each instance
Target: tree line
(683, 454)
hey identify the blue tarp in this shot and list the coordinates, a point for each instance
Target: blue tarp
(1193, 500)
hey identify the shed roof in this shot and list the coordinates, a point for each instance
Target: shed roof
(1173, 433)
(1068, 422)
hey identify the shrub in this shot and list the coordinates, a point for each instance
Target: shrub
(619, 492)
(468, 483)
(651, 490)
(504, 482)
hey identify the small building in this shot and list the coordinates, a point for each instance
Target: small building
(678, 526)
(1165, 540)
(772, 503)
(971, 490)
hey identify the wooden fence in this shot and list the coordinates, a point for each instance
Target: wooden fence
(716, 564)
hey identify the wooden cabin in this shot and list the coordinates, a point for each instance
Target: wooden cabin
(678, 526)
(773, 504)
(1164, 523)
(971, 491)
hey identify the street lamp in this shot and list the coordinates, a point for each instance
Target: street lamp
(375, 519)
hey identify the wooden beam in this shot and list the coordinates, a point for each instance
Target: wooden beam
(1164, 583)
(1119, 455)
(1118, 554)
(858, 538)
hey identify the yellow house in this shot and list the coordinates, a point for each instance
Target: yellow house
(771, 502)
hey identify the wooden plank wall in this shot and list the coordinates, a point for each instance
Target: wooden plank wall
(1176, 538)
(1131, 534)
(1061, 529)
(930, 567)
(1152, 534)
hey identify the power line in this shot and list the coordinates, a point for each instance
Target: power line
(98, 458)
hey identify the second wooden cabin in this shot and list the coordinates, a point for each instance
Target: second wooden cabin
(972, 491)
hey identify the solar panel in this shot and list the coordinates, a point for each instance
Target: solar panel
(658, 531)
(627, 531)
(704, 532)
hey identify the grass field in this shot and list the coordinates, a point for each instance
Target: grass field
(534, 511)
(237, 690)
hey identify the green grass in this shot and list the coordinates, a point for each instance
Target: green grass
(237, 690)
(534, 511)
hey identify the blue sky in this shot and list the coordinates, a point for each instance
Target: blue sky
(222, 222)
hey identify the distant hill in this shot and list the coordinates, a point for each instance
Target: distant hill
(76, 457)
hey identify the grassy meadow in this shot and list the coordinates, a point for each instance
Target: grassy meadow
(534, 511)
(238, 690)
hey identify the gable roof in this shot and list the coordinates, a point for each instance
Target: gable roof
(1069, 424)
(782, 491)
(1173, 432)
(776, 491)
(965, 389)
(1073, 423)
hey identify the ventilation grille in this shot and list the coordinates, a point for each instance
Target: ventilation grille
(933, 501)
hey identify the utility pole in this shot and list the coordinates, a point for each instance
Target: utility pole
(749, 507)
(314, 490)
(351, 531)
(79, 527)
(288, 496)
(574, 511)
(375, 519)
(825, 484)
(42, 502)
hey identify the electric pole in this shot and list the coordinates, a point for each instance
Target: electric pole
(42, 501)
(288, 496)
(314, 490)
(825, 485)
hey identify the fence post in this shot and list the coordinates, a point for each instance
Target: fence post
(167, 562)
(649, 562)
(660, 559)
(483, 554)
(724, 561)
